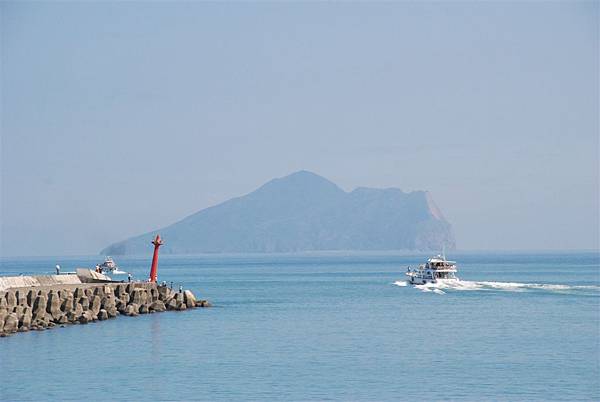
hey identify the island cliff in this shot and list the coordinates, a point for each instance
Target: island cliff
(306, 212)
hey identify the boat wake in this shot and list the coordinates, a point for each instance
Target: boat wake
(442, 287)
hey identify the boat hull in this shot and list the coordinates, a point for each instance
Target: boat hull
(415, 280)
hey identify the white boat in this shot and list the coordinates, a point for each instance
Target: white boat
(436, 270)
(110, 266)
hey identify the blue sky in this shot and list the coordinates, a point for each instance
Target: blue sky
(119, 118)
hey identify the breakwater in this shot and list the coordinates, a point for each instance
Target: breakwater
(41, 307)
(11, 282)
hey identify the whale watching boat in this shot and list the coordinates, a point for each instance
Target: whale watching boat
(436, 270)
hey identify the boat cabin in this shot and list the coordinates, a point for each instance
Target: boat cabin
(440, 264)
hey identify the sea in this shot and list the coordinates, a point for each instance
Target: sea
(327, 326)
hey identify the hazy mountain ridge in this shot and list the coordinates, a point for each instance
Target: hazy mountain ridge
(305, 212)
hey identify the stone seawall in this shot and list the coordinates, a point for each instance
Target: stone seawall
(10, 282)
(42, 307)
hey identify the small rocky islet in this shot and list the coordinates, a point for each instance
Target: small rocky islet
(26, 309)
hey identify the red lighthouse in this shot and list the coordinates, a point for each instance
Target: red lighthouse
(153, 271)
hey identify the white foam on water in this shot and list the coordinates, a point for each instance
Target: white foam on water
(459, 285)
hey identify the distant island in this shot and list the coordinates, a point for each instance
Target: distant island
(305, 212)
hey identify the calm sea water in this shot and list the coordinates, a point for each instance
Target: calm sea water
(315, 327)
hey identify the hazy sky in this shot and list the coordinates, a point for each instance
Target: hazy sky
(118, 118)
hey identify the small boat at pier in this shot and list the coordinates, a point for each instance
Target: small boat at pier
(110, 266)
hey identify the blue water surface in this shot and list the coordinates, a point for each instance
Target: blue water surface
(327, 327)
